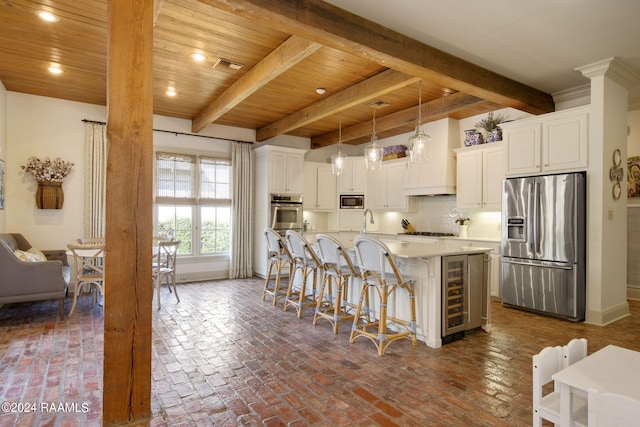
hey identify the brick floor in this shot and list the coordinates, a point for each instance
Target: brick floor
(223, 357)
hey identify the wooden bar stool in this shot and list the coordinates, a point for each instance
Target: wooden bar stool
(334, 290)
(278, 258)
(374, 261)
(306, 262)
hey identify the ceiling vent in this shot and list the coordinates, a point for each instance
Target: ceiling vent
(226, 64)
(378, 104)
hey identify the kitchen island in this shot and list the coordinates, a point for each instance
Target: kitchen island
(422, 262)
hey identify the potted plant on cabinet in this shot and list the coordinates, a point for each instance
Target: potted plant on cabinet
(490, 125)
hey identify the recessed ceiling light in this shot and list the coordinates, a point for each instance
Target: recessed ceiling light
(171, 91)
(55, 69)
(198, 56)
(47, 16)
(321, 91)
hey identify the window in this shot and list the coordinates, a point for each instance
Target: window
(193, 202)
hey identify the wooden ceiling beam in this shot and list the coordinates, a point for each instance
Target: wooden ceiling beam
(289, 53)
(334, 27)
(431, 111)
(384, 82)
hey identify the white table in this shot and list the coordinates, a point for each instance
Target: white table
(612, 369)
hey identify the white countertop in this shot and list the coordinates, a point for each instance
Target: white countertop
(426, 250)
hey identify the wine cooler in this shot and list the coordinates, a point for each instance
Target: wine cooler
(464, 289)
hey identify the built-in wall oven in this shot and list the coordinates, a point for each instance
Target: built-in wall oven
(286, 212)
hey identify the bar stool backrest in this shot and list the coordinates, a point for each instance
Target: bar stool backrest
(333, 255)
(275, 244)
(375, 260)
(301, 250)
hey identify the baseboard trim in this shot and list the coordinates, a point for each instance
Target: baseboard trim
(606, 317)
(201, 276)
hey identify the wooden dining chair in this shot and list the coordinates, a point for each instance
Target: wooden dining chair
(165, 256)
(382, 279)
(88, 271)
(547, 405)
(91, 240)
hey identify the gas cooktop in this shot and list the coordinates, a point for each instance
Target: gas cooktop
(427, 233)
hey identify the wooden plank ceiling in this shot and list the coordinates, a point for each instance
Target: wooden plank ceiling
(285, 49)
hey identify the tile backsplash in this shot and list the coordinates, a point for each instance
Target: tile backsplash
(434, 213)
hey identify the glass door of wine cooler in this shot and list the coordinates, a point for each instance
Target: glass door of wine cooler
(454, 294)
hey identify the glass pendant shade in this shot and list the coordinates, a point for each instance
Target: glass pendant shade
(418, 145)
(338, 161)
(419, 140)
(373, 155)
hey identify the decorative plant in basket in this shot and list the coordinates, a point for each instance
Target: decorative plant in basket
(49, 174)
(490, 125)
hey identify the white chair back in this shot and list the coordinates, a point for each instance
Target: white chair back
(547, 406)
(375, 261)
(275, 244)
(575, 350)
(301, 250)
(333, 255)
(612, 410)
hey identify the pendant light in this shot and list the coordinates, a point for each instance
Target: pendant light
(418, 141)
(339, 159)
(373, 151)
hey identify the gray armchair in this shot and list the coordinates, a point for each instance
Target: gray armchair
(23, 281)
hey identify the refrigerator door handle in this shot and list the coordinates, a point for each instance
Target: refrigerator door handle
(536, 218)
(530, 221)
(561, 266)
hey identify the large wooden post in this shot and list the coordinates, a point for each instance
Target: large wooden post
(128, 288)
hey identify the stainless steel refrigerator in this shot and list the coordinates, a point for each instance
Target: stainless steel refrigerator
(544, 244)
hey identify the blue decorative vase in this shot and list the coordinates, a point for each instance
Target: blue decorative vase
(494, 135)
(473, 137)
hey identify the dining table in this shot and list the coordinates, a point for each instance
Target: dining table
(612, 369)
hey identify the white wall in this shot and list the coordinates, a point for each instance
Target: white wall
(45, 127)
(3, 144)
(633, 137)
(41, 126)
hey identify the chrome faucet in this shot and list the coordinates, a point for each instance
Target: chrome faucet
(364, 221)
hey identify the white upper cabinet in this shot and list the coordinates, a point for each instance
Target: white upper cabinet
(438, 174)
(479, 177)
(320, 187)
(385, 188)
(550, 143)
(354, 178)
(284, 168)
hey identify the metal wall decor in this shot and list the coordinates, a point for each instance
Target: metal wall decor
(616, 173)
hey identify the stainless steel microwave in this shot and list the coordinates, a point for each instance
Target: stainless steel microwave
(352, 201)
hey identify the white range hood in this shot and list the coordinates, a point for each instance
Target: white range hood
(438, 174)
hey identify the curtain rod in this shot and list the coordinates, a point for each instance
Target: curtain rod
(178, 133)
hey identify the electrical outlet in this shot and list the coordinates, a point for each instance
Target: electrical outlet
(610, 214)
(182, 277)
